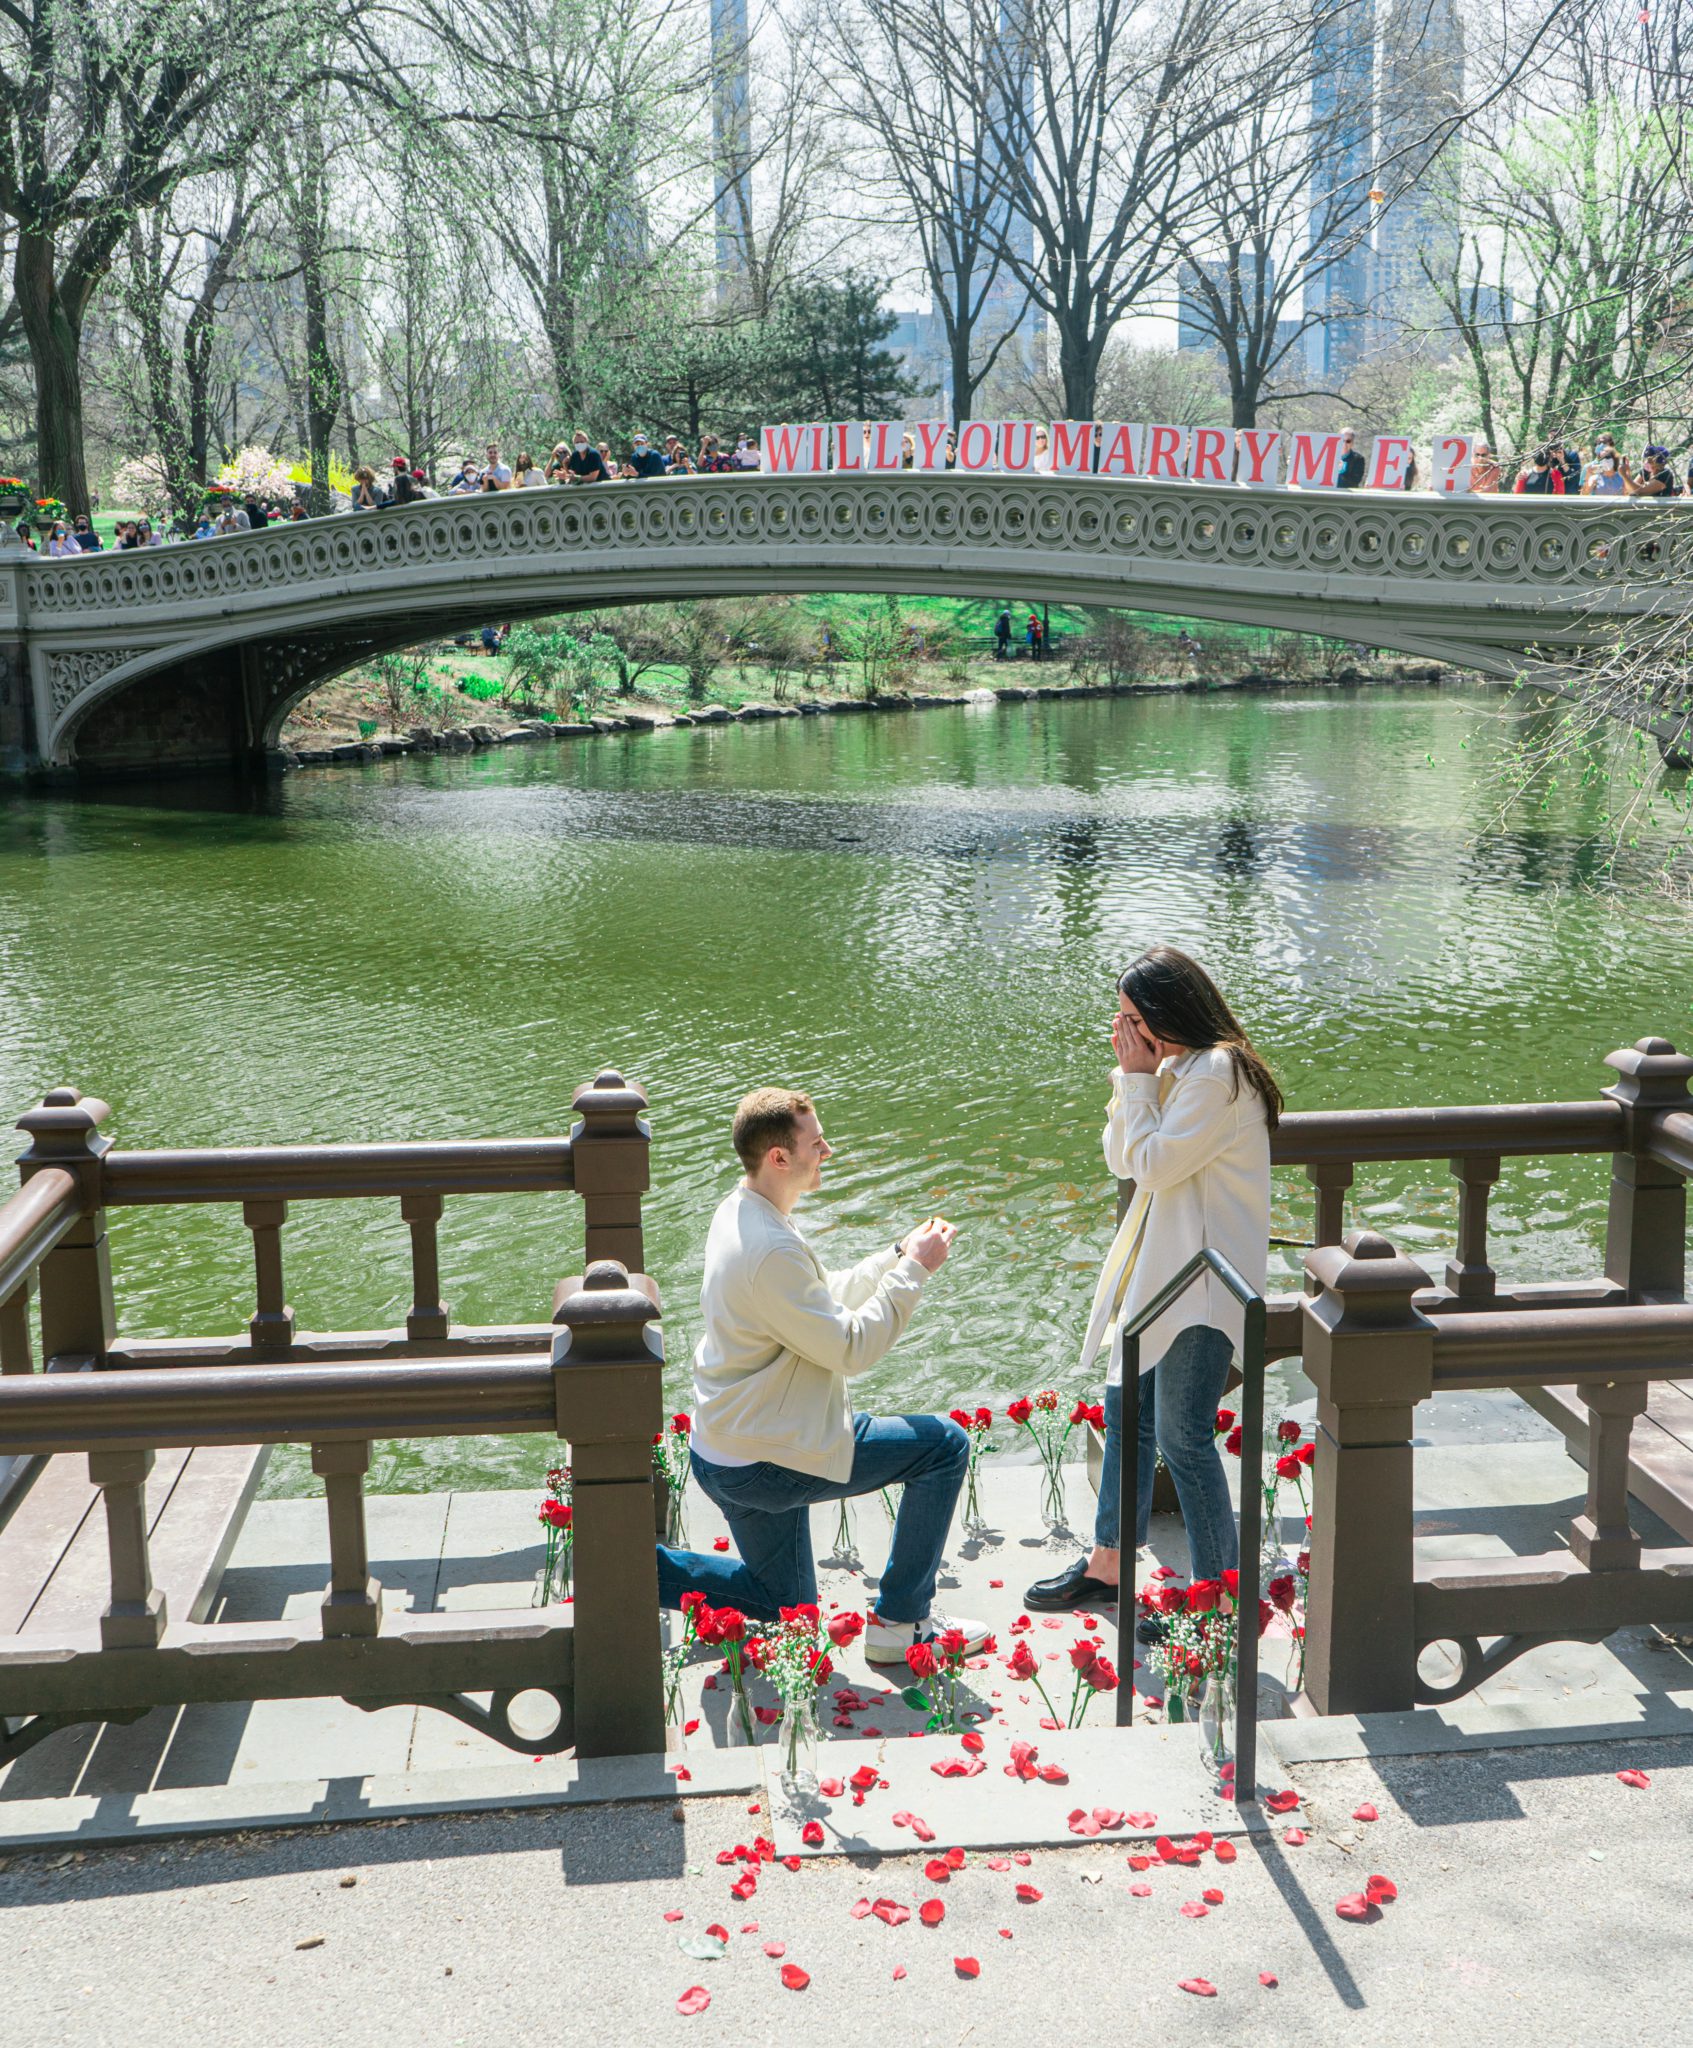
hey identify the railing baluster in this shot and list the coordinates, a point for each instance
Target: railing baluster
(15, 1352)
(77, 1314)
(1331, 1178)
(1603, 1538)
(135, 1617)
(352, 1601)
(610, 1168)
(272, 1326)
(1469, 1275)
(428, 1313)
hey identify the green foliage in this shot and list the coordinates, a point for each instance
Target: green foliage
(830, 362)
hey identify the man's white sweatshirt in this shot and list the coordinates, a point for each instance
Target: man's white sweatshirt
(783, 1337)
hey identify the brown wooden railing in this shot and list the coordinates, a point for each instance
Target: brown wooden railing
(591, 1374)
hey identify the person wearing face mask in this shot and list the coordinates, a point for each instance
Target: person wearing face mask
(1605, 478)
(644, 458)
(584, 464)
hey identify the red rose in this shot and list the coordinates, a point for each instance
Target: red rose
(1101, 1675)
(845, 1629)
(1202, 1596)
(1048, 1400)
(1195, 1664)
(1096, 1414)
(805, 1613)
(1171, 1599)
(680, 1425)
(1287, 1466)
(1307, 1455)
(921, 1660)
(1020, 1411)
(984, 1418)
(1231, 1443)
(1082, 1653)
(1225, 1421)
(1079, 1413)
(954, 1642)
(1021, 1663)
(959, 1416)
(1302, 1563)
(721, 1625)
(821, 1668)
(1289, 1432)
(1283, 1591)
(1231, 1584)
(690, 1601)
(557, 1513)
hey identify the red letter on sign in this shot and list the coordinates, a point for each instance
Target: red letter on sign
(1212, 461)
(931, 444)
(784, 450)
(1315, 459)
(1166, 448)
(1119, 453)
(846, 445)
(1072, 446)
(1390, 459)
(978, 444)
(1260, 458)
(1017, 444)
(882, 444)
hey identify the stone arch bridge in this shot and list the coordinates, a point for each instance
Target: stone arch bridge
(193, 656)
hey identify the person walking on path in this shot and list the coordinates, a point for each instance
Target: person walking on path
(1192, 1107)
(773, 1430)
(1002, 634)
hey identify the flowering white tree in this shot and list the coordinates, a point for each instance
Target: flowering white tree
(257, 473)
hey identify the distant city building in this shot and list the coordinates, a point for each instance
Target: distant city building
(731, 141)
(1343, 120)
(1420, 92)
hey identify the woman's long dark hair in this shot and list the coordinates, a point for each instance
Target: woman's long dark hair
(1179, 1001)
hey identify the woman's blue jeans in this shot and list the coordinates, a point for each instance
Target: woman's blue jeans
(1178, 1416)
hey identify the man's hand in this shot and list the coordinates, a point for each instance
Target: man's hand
(1136, 1053)
(930, 1242)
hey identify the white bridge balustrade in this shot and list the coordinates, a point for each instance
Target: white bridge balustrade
(194, 655)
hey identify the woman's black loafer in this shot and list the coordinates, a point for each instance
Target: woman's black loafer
(1075, 1588)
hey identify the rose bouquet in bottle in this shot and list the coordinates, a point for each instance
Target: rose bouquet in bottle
(670, 1461)
(557, 1518)
(978, 1427)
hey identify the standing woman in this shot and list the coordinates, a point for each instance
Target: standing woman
(1192, 1108)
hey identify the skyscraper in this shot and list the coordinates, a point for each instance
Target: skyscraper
(731, 142)
(1337, 286)
(1422, 88)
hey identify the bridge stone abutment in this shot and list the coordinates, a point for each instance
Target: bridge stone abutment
(185, 657)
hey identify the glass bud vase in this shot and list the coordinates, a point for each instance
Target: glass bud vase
(845, 1550)
(676, 1522)
(742, 1731)
(975, 1522)
(1052, 1510)
(797, 1738)
(1216, 1720)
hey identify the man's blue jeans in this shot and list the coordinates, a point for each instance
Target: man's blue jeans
(1178, 1416)
(768, 1509)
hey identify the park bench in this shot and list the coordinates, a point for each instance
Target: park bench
(110, 1562)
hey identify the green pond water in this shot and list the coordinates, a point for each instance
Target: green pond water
(918, 918)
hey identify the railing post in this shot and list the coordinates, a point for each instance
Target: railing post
(15, 1352)
(608, 1360)
(272, 1325)
(135, 1617)
(352, 1601)
(1469, 1276)
(1646, 1230)
(1603, 1538)
(429, 1313)
(77, 1314)
(1370, 1355)
(610, 1167)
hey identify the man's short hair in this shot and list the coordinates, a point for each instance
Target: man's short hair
(766, 1117)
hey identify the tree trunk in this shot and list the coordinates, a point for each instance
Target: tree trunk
(55, 354)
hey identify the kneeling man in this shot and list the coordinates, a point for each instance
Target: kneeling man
(773, 1429)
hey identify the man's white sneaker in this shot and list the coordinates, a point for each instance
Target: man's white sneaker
(886, 1642)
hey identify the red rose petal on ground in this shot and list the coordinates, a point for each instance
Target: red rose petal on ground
(863, 1778)
(1047, 1721)
(775, 1950)
(1140, 1862)
(921, 1829)
(999, 1862)
(996, 1582)
(1381, 1891)
(690, 1727)
(1225, 1852)
(674, 1914)
(1021, 1858)
(1281, 1802)
(1053, 1774)
(1638, 1779)
(932, 1912)
(790, 1863)
(1268, 1979)
(1354, 1907)
(717, 1928)
(1213, 1897)
(972, 1742)
(1083, 1823)
(1108, 1816)
(1030, 1895)
(812, 1834)
(682, 1772)
(1201, 1987)
(891, 1912)
(831, 1788)
(967, 1966)
(1191, 1909)
(794, 1978)
(937, 1870)
(899, 1971)
(1166, 1848)
(861, 1909)
(1140, 1891)
(1295, 1838)
(1005, 1934)
(954, 1859)
(1365, 1812)
(720, 1543)
(1141, 1820)
(695, 1999)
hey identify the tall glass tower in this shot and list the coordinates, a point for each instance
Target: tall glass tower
(1342, 155)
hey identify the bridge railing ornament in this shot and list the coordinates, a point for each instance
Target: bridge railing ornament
(591, 1373)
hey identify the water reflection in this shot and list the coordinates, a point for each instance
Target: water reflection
(920, 917)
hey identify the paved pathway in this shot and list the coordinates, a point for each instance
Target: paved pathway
(1540, 1901)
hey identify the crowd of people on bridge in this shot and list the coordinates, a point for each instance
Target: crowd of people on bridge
(1555, 470)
